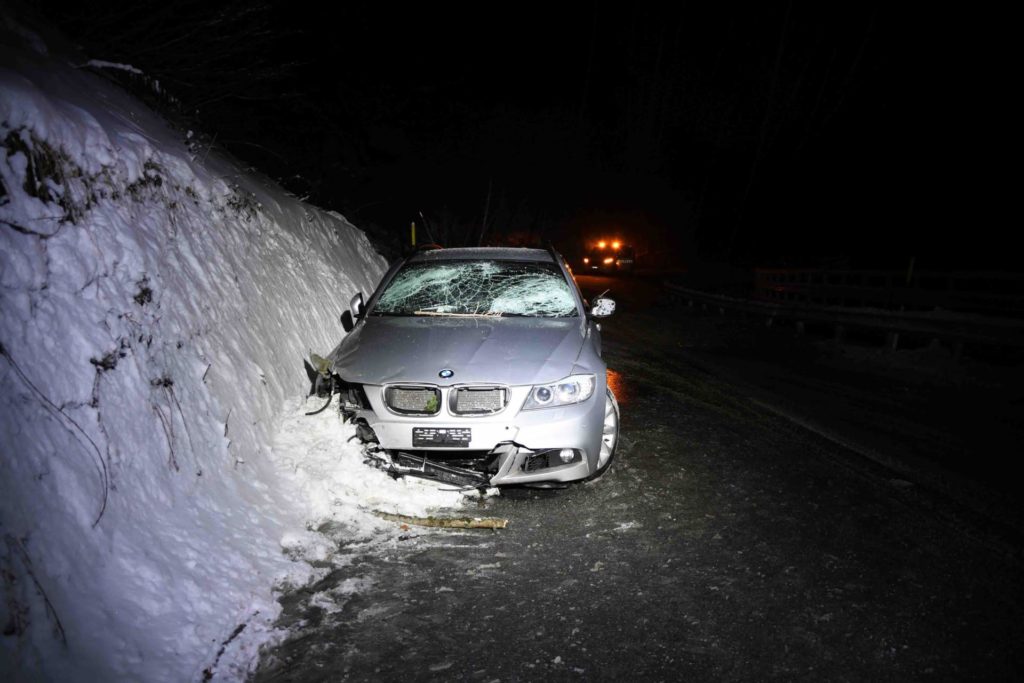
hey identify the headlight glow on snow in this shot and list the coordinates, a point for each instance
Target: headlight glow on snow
(573, 389)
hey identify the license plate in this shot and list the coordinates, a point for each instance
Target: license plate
(443, 437)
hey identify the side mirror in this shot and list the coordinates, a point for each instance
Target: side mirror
(355, 312)
(602, 308)
(356, 306)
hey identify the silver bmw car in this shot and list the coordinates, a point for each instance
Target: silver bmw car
(479, 367)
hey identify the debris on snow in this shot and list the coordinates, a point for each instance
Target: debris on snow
(448, 522)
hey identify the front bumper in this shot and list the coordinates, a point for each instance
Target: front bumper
(515, 446)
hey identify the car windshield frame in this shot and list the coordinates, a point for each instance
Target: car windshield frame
(485, 287)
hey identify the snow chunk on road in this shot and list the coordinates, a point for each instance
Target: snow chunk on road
(328, 470)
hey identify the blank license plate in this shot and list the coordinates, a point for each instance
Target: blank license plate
(450, 437)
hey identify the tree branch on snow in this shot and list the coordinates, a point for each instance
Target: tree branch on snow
(184, 424)
(57, 412)
(208, 672)
(494, 523)
(101, 64)
(15, 546)
(28, 231)
(172, 460)
(167, 422)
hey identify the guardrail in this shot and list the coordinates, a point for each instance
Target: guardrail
(997, 294)
(954, 327)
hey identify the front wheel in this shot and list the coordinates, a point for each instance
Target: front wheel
(609, 434)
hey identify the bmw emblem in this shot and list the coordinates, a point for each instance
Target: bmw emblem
(446, 373)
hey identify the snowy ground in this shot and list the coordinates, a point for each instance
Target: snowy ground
(155, 481)
(343, 496)
(342, 493)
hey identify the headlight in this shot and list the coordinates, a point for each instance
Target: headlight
(573, 389)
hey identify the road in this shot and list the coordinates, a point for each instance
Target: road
(727, 542)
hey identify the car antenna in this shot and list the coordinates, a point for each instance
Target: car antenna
(426, 224)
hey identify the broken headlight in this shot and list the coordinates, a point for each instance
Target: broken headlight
(572, 389)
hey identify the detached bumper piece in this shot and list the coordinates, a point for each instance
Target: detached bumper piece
(419, 466)
(410, 464)
(503, 464)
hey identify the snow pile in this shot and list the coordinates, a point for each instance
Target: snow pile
(341, 491)
(155, 307)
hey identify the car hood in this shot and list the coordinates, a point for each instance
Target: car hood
(512, 351)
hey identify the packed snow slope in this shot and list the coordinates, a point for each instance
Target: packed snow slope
(157, 304)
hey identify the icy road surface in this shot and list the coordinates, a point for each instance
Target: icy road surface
(727, 542)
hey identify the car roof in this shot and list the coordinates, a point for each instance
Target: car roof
(483, 253)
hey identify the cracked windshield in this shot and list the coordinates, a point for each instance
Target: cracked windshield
(478, 288)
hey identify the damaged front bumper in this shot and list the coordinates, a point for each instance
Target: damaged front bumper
(551, 446)
(508, 464)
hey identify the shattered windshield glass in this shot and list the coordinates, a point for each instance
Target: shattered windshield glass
(478, 288)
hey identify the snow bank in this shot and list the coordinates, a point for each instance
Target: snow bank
(339, 489)
(156, 307)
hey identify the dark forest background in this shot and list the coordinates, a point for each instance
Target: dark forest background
(776, 133)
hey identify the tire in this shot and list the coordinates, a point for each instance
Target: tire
(609, 435)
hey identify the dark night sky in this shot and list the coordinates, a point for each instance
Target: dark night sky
(771, 133)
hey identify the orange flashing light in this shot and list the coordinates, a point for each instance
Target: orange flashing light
(616, 244)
